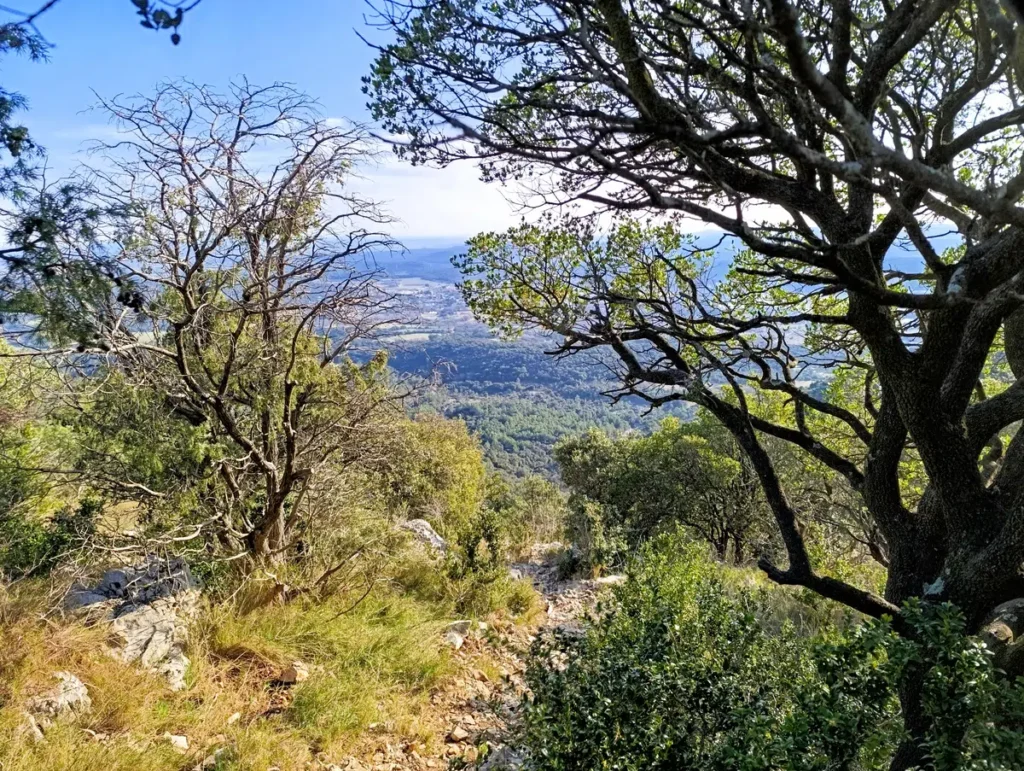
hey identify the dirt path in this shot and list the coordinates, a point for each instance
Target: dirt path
(479, 707)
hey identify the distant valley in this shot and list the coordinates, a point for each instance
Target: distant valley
(516, 398)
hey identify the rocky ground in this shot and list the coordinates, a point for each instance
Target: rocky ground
(471, 721)
(478, 709)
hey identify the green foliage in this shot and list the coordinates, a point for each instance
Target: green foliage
(37, 523)
(30, 545)
(519, 401)
(523, 512)
(161, 15)
(529, 277)
(139, 445)
(485, 366)
(438, 472)
(433, 469)
(684, 671)
(14, 138)
(519, 432)
(595, 543)
(625, 490)
(38, 280)
(975, 713)
(678, 675)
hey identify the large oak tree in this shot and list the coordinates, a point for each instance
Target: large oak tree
(831, 142)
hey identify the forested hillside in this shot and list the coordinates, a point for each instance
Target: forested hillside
(703, 452)
(517, 401)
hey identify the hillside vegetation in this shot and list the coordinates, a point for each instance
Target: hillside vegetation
(713, 462)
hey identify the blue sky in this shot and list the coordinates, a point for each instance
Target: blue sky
(99, 46)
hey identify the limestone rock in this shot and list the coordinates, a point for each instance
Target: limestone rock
(153, 579)
(349, 764)
(180, 743)
(296, 673)
(155, 635)
(82, 598)
(213, 760)
(458, 734)
(425, 534)
(454, 639)
(66, 702)
(31, 726)
(148, 607)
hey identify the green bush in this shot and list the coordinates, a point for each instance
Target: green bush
(685, 671)
(629, 489)
(31, 545)
(597, 544)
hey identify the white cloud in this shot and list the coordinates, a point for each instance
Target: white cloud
(438, 203)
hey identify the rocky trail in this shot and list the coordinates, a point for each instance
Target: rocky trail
(470, 722)
(478, 709)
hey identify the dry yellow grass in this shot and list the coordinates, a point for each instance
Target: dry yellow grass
(376, 663)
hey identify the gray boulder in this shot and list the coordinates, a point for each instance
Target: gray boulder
(153, 579)
(148, 608)
(155, 635)
(425, 534)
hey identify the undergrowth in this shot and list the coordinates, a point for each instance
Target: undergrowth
(372, 659)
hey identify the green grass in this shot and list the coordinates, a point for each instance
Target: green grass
(375, 661)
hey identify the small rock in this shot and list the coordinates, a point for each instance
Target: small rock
(296, 673)
(65, 702)
(82, 598)
(212, 760)
(502, 759)
(234, 718)
(179, 742)
(454, 639)
(459, 627)
(610, 580)
(458, 734)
